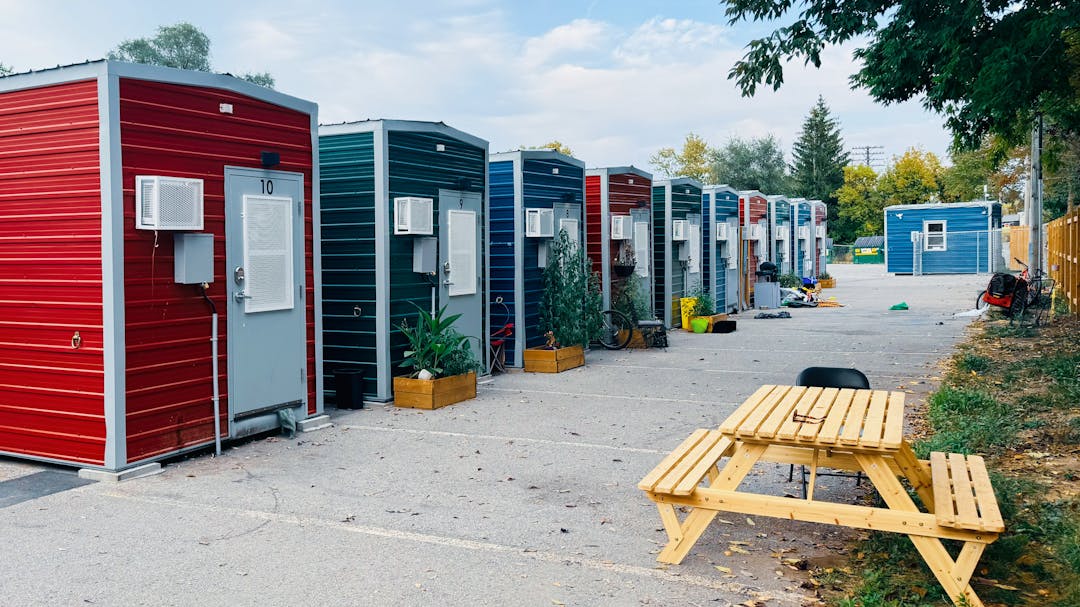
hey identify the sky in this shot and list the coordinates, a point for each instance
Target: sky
(615, 80)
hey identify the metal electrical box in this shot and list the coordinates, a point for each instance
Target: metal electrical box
(424, 252)
(193, 258)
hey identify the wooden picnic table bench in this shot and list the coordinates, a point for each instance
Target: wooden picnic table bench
(852, 430)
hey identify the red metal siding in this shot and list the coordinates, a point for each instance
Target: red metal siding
(177, 130)
(592, 221)
(51, 395)
(759, 209)
(622, 196)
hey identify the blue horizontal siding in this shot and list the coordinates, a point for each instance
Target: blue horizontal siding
(727, 207)
(967, 239)
(502, 249)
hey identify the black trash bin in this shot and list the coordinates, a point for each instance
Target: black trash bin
(349, 385)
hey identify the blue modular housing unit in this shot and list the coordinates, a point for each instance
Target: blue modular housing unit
(956, 238)
(801, 236)
(720, 206)
(780, 232)
(520, 181)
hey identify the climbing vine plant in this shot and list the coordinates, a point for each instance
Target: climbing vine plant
(571, 304)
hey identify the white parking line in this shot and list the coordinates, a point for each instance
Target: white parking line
(458, 543)
(516, 439)
(761, 372)
(615, 396)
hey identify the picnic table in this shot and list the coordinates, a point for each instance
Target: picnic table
(843, 429)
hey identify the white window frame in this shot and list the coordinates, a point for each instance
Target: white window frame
(944, 235)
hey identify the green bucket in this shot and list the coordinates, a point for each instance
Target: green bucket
(699, 325)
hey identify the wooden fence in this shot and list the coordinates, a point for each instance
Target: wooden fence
(1019, 236)
(1063, 257)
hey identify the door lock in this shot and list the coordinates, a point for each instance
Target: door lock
(238, 274)
(446, 267)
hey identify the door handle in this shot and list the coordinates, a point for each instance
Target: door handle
(240, 295)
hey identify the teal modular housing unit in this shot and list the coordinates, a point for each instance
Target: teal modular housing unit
(780, 232)
(720, 238)
(801, 218)
(677, 245)
(535, 194)
(954, 238)
(404, 226)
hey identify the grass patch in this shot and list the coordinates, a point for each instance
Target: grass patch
(972, 363)
(1010, 331)
(967, 420)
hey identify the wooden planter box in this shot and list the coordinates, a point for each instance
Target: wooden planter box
(433, 393)
(637, 340)
(712, 319)
(827, 283)
(542, 360)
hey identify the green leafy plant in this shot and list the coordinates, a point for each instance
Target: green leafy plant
(633, 299)
(570, 307)
(705, 304)
(435, 346)
(824, 276)
(790, 281)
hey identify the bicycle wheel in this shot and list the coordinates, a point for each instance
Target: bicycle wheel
(1018, 305)
(980, 301)
(616, 331)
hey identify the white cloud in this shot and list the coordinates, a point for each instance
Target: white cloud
(670, 41)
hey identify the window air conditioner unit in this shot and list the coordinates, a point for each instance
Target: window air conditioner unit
(168, 203)
(539, 223)
(781, 233)
(733, 263)
(721, 230)
(620, 227)
(804, 233)
(819, 231)
(413, 215)
(679, 230)
(753, 232)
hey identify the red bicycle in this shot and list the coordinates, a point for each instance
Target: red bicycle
(1014, 293)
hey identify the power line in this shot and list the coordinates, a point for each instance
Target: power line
(872, 156)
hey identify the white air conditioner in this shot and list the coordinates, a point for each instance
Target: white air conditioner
(754, 232)
(620, 227)
(721, 230)
(819, 231)
(781, 233)
(413, 215)
(168, 203)
(733, 263)
(804, 233)
(679, 230)
(539, 223)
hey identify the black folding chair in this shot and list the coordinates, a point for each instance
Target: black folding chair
(829, 377)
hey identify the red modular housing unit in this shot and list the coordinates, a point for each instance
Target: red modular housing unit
(820, 219)
(753, 215)
(104, 360)
(612, 191)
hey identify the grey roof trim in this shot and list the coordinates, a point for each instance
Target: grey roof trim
(621, 170)
(943, 205)
(537, 155)
(418, 126)
(154, 73)
(750, 193)
(777, 198)
(719, 188)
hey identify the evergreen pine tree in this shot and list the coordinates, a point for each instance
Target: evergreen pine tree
(819, 158)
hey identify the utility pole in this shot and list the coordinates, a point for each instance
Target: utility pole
(869, 155)
(1035, 210)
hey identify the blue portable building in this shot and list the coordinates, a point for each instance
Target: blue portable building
(534, 195)
(780, 232)
(404, 225)
(801, 237)
(938, 238)
(720, 235)
(677, 238)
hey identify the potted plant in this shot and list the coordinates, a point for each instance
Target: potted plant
(625, 261)
(633, 301)
(444, 366)
(703, 311)
(570, 314)
(826, 281)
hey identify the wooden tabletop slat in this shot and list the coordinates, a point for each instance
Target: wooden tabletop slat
(894, 422)
(943, 500)
(834, 420)
(874, 422)
(757, 416)
(791, 428)
(853, 423)
(984, 491)
(780, 414)
(967, 515)
(734, 420)
(692, 457)
(830, 399)
(718, 450)
(656, 474)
